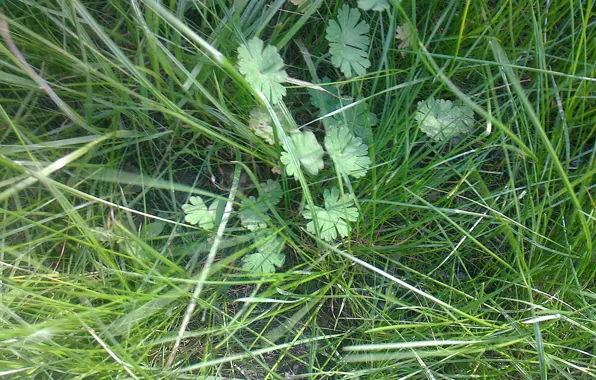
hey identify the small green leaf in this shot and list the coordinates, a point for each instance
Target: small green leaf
(155, 228)
(442, 119)
(375, 5)
(198, 213)
(333, 219)
(104, 235)
(357, 118)
(403, 33)
(272, 191)
(348, 42)
(253, 214)
(263, 68)
(308, 152)
(261, 124)
(349, 154)
(269, 255)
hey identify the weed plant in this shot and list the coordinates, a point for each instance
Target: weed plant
(272, 190)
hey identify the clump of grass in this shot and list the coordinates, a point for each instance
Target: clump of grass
(472, 256)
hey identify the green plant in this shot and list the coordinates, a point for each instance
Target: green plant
(348, 42)
(348, 153)
(442, 119)
(198, 213)
(332, 237)
(375, 5)
(333, 219)
(263, 68)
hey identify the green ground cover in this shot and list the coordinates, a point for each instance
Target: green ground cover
(297, 189)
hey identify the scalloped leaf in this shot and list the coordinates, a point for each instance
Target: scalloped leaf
(272, 191)
(253, 214)
(348, 152)
(375, 5)
(197, 212)
(334, 218)
(268, 256)
(348, 42)
(308, 153)
(442, 119)
(261, 124)
(263, 68)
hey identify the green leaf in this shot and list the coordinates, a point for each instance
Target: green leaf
(198, 213)
(155, 228)
(272, 191)
(308, 153)
(443, 119)
(348, 42)
(357, 118)
(253, 214)
(349, 154)
(269, 255)
(263, 68)
(375, 5)
(333, 219)
(325, 101)
(262, 125)
(104, 235)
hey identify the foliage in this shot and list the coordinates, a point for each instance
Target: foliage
(332, 219)
(403, 33)
(375, 5)
(356, 118)
(197, 212)
(442, 119)
(272, 191)
(308, 152)
(447, 259)
(348, 42)
(253, 214)
(268, 256)
(348, 152)
(263, 69)
(262, 125)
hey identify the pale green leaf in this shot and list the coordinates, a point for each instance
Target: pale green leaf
(272, 191)
(308, 153)
(348, 42)
(334, 218)
(375, 5)
(253, 214)
(155, 228)
(259, 262)
(357, 118)
(268, 256)
(263, 68)
(348, 152)
(442, 119)
(261, 124)
(197, 212)
(403, 33)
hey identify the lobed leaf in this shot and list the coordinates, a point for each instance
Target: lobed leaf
(375, 5)
(308, 152)
(348, 152)
(263, 68)
(348, 42)
(443, 119)
(333, 219)
(269, 255)
(197, 212)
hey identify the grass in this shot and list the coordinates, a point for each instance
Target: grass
(471, 258)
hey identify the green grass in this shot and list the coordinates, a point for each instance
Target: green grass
(471, 258)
